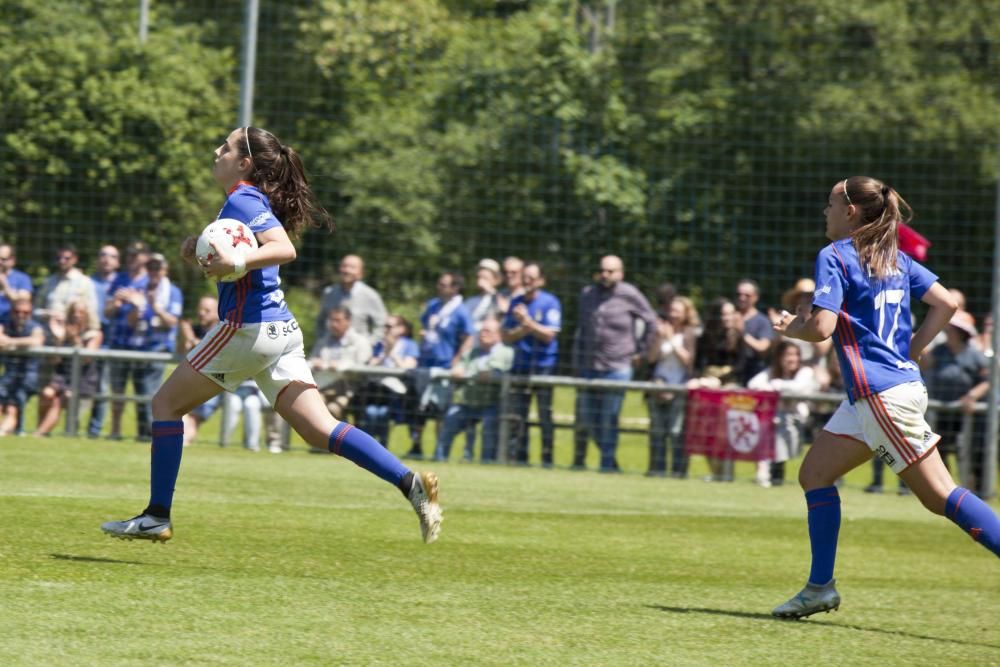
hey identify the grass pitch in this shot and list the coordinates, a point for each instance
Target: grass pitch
(301, 559)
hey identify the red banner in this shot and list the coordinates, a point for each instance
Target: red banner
(730, 423)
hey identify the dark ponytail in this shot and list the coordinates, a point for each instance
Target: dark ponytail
(278, 171)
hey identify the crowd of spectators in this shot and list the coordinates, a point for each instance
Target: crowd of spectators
(510, 325)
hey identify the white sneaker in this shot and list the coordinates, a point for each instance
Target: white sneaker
(810, 600)
(275, 449)
(143, 527)
(423, 497)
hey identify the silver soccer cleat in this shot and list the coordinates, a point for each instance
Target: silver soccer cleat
(142, 527)
(810, 600)
(423, 497)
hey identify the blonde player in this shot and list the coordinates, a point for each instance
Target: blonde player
(862, 299)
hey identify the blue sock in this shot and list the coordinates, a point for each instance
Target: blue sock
(824, 527)
(974, 517)
(360, 448)
(164, 463)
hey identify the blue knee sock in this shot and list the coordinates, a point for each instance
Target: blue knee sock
(974, 517)
(164, 463)
(824, 527)
(360, 448)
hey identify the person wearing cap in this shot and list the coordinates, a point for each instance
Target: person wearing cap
(486, 303)
(957, 371)
(67, 285)
(366, 306)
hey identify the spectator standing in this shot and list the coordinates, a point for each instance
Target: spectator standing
(125, 289)
(66, 285)
(247, 402)
(72, 329)
(191, 333)
(108, 263)
(20, 373)
(721, 360)
(385, 396)
(786, 374)
(605, 347)
(445, 326)
(14, 284)
(341, 347)
(477, 398)
(486, 303)
(513, 281)
(758, 332)
(671, 352)
(367, 310)
(532, 327)
(152, 315)
(957, 371)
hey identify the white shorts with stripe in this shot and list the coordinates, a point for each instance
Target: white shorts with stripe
(269, 352)
(891, 423)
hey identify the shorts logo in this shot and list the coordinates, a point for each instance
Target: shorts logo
(221, 377)
(272, 330)
(884, 454)
(927, 437)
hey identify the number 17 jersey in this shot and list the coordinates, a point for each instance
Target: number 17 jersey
(872, 338)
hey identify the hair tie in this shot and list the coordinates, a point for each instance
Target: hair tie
(246, 136)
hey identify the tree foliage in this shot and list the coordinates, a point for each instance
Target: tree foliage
(676, 134)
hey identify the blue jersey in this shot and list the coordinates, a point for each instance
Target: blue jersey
(445, 326)
(149, 335)
(17, 280)
(256, 297)
(120, 334)
(873, 331)
(531, 354)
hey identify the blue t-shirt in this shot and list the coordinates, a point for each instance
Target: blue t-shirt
(120, 333)
(256, 297)
(531, 354)
(873, 333)
(18, 280)
(148, 336)
(442, 335)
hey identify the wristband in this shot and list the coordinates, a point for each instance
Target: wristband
(240, 265)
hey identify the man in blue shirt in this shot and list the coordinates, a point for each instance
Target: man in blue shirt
(445, 324)
(14, 284)
(531, 326)
(152, 316)
(126, 290)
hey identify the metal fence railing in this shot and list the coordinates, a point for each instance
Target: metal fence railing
(509, 420)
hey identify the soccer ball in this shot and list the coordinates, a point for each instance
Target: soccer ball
(228, 235)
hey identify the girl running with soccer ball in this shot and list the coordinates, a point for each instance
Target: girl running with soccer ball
(257, 337)
(864, 285)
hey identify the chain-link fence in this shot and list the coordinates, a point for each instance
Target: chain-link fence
(695, 140)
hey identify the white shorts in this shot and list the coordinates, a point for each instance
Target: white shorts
(891, 423)
(269, 352)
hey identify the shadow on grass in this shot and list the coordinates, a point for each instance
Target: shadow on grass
(91, 559)
(828, 624)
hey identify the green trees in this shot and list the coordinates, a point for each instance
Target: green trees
(695, 138)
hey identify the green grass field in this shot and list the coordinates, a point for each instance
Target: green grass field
(301, 559)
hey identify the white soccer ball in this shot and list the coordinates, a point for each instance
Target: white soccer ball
(230, 236)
